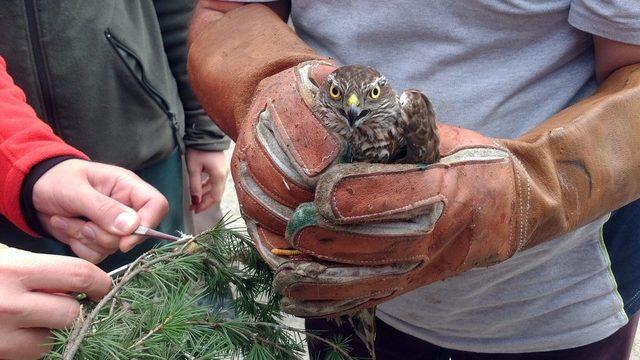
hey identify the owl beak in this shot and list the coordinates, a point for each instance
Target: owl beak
(353, 112)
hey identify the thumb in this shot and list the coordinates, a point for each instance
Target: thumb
(109, 214)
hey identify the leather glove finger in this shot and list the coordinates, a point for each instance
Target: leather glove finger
(320, 289)
(283, 147)
(382, 214)
(378, 230)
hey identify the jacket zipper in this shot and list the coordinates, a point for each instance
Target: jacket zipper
(155, 95)
(41, 69)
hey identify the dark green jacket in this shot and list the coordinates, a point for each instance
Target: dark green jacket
(109, 76)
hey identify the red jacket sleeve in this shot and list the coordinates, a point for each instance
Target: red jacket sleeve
(25, 141)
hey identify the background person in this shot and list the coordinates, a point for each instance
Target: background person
(43, 178)
(109, 78)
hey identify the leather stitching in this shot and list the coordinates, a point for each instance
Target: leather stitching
(388, 212)
(261, 209)
(524, 205)
(296, 243)
(309, 170)
(264, 237)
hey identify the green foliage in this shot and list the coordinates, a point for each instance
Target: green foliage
(156, 311)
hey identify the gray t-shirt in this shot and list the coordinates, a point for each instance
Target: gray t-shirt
(499, 67)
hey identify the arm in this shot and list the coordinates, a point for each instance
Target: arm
(208, 11)
(200, 132)
(25, 141)
(49, 186)
(234, 47)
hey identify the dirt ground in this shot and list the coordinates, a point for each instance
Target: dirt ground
(230, 205)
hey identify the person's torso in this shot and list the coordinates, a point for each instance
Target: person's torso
(96, 71)
(499, 67)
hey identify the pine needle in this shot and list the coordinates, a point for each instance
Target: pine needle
(170, 304)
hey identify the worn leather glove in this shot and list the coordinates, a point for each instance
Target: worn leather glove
(254, 76)
(377, 231)
(384, 230)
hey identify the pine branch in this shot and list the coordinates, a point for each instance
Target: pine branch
(151, 332)
(83, 328)
(163, 307)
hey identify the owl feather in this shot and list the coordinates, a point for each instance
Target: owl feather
(358, 104)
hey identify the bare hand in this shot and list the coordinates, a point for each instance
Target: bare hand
(33, 298)
(94, 207)
(208, 172)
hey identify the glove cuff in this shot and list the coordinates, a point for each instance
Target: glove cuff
(580, 164)
(230, 57)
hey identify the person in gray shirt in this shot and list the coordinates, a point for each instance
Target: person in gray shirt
(500, 68)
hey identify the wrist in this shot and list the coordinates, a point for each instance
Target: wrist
(26, 193)
(234, 53)
(581, 163)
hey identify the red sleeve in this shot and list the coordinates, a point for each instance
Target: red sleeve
(25, 141)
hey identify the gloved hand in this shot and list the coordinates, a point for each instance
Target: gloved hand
(259, 92)
(383, 230)
(377, 231)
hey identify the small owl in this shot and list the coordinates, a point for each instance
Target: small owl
(357, 103)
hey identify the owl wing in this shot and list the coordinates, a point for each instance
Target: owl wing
(418, 126)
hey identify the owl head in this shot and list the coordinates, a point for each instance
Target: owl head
(357, 97)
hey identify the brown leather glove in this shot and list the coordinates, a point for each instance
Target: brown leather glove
(377, 231)
(384, 230)
(253, 75)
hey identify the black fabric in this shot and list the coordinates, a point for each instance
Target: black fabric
(26, 192)
(392, 344)
(621, 235)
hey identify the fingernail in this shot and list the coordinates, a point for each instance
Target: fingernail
(88, 233)
(58, 223)
(125, 221)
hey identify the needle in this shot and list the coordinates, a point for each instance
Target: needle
(145, 231)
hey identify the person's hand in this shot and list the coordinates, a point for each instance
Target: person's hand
(94, 208)
(260, 94)
(283, 147)
(34, 298)
(208, 172)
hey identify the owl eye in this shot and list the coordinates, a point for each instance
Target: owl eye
(334, 92)
(375, 92)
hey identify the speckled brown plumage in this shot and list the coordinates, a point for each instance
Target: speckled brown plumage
(383, 128)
